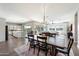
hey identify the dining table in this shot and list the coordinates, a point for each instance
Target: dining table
(60, 41)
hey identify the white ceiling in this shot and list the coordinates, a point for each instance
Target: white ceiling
(23, 12)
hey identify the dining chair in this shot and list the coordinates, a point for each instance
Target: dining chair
(30, 36)
(42, 44)
(69, 34)
(32, 41)
(65, 50)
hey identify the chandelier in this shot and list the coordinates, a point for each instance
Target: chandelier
(44, 14)
(45, 17)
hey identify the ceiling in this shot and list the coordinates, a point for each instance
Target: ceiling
(24, 12)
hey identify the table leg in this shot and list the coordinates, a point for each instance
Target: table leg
(53, 51)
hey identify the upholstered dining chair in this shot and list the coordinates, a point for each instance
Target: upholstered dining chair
(65, 50)
(42, 44)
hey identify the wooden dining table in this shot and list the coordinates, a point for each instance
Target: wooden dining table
(59, 41)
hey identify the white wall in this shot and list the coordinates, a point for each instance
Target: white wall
(2, 29)
(78, 29)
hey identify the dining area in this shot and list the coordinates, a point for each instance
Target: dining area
(39, 29)
(53, 39)
(49, 40)
(50, 43)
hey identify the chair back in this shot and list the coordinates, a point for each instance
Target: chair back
(30, 37)
(42, 38)
(71, 40)
(42, 41)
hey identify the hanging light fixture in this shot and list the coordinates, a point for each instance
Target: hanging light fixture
(44, 14)
(44, 17)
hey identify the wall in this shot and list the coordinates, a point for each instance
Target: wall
(76, 28)
(77, 19)
(2, 29)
